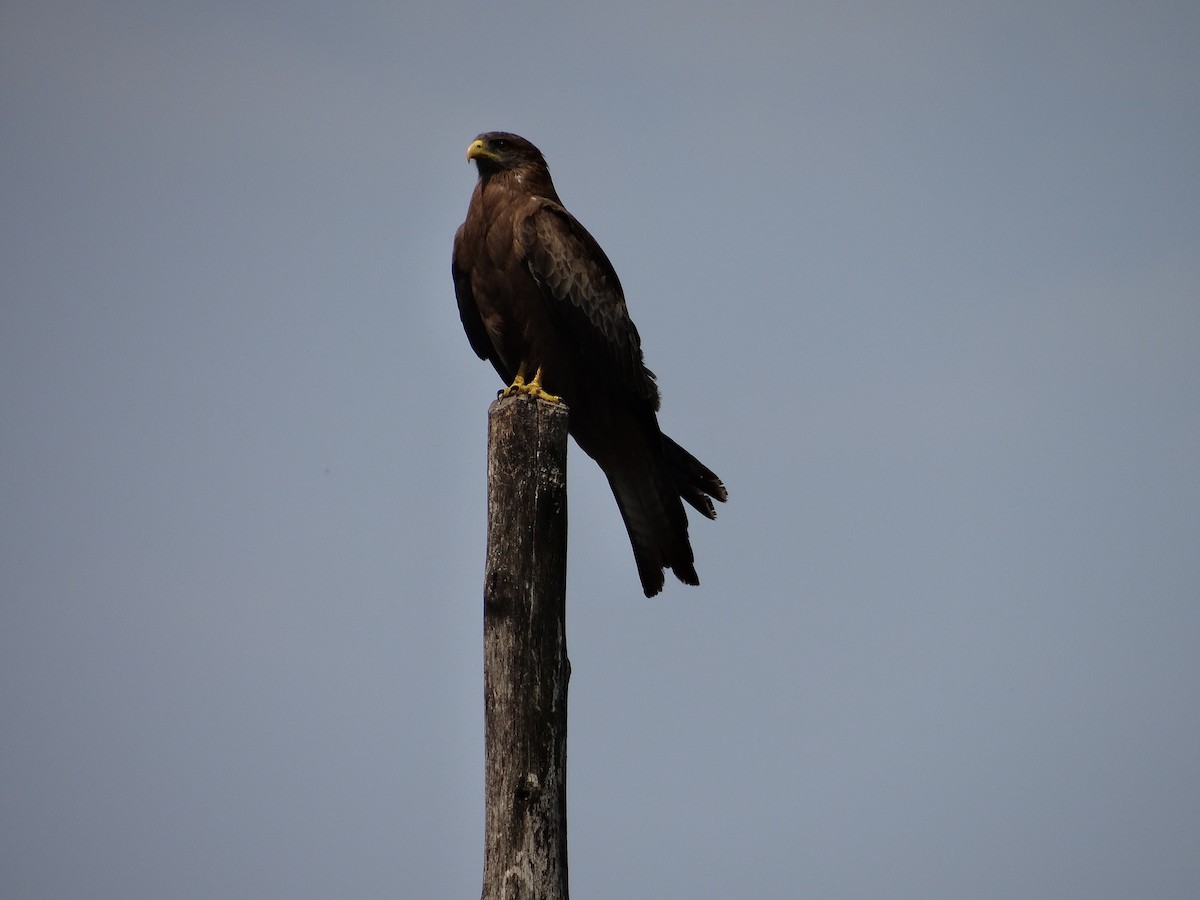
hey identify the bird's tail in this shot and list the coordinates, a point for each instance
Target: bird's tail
(648, 490)
(696, 482)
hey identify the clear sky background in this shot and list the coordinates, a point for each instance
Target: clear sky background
(921, 282)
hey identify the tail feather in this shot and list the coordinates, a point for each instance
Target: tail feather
(695, 481)
(651, 476)
(648, 490)
(655, 522)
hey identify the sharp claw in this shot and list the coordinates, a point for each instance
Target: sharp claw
(532, 388)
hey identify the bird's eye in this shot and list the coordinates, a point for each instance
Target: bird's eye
(500, 143)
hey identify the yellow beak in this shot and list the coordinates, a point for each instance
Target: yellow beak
(477, 148)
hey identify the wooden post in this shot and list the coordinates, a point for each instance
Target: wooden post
(525, 666)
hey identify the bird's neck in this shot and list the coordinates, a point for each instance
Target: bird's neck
(523, 180)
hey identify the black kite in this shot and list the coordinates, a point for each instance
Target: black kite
(540, 300)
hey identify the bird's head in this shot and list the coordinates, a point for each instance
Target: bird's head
(499, 151)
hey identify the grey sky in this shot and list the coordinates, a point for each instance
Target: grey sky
(921, 282)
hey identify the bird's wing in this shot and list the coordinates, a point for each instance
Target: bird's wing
(468, 311)
(585, 297)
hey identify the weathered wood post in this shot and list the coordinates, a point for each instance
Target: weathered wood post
(525, 666)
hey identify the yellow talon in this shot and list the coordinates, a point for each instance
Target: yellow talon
(532, 388)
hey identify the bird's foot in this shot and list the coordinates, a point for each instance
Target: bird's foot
(532, 388)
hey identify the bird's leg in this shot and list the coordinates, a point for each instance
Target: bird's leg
(518, 385)
(532, 388)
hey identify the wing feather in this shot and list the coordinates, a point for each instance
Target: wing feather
(585, 297)
(468, 312)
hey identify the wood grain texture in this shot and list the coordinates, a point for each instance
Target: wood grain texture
(525, 652)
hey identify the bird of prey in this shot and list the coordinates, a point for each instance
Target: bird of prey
(539, 299)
